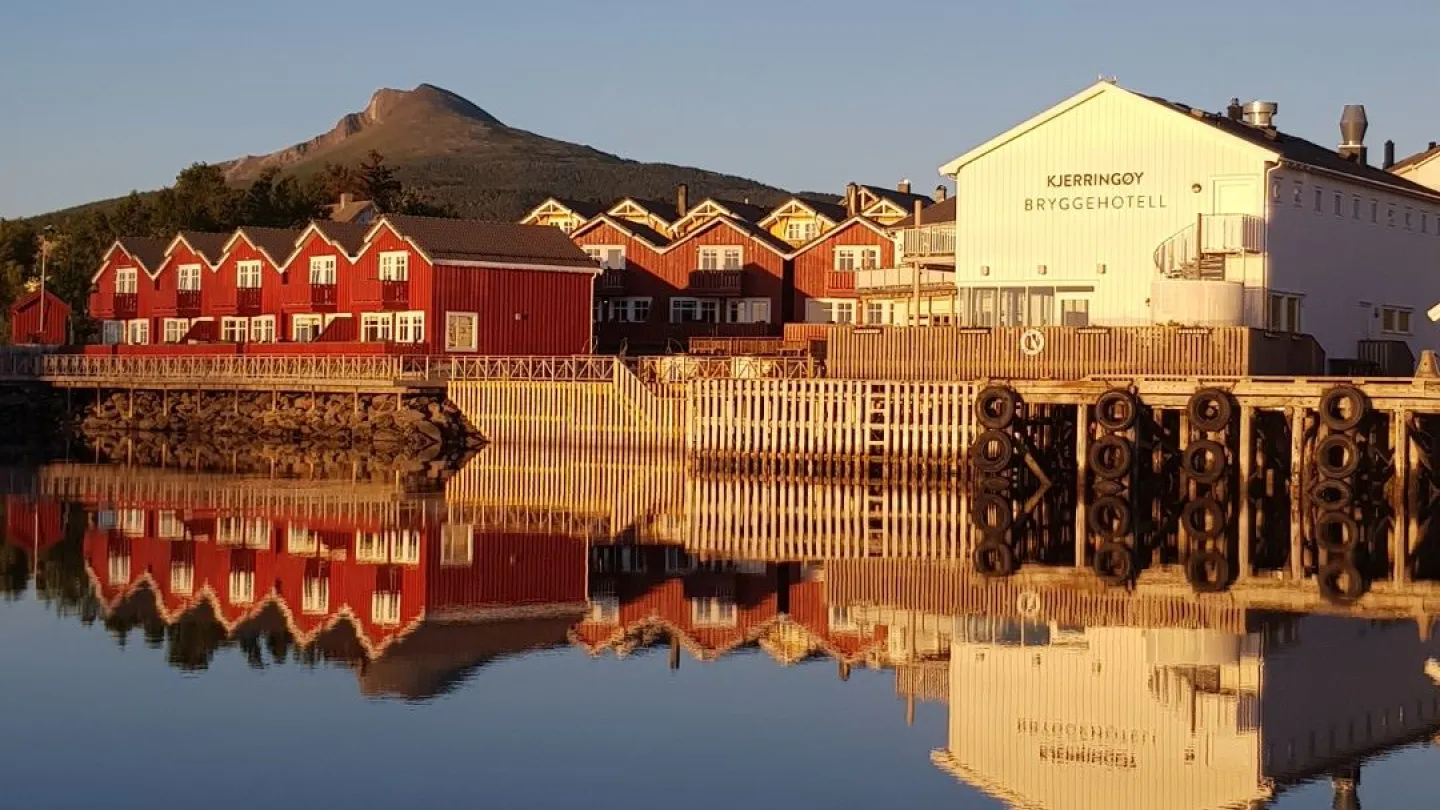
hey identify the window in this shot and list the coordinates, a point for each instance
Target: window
(242, 587)
(1283, 314)
(262, 329)
(1374, 212)
(841, 621)
(112, 332)
(1319, 199)
(457, 544)
(315, 595)
(169, 526)
(137, 332)
(694, 310)
(370, 548)
(604, 610)
(1390, 215)
(1355, 208)
(1339, 205)
(677, 561)
(982, 307)
(857, 257)
(188, 279)
(234, 330)
(712, 612)
(247, 275)
(630, 310)
(409, 327)
(385, 608)
(377, 327)
(823, 310)
(879, 313)
(1395, 320)
(609, 257)
(722, 258)
(1424, 222)
(176, 329)
(460, 331)
(126, 280)
(131, 522)
(1075, 312)
(1275, 190)
(182, 577)
(300, 541)
(1409, 218)
(118, 563)
(322, 269)
(306, 328)
(801, 230)
(747, 310)
(1298, 195)
(394, 266)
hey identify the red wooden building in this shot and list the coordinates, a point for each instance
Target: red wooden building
(412, 284)
(724, 278)
(39, 318)
(825, 271)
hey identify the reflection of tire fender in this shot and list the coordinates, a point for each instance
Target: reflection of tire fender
(1032, 342)
(1109, 517)
(1346, 447)
(1332, 495)
(992, 514)
(993, 451)
(1203, 518)
(1027, 604)
(1341, 583)
(1204, 461)
(1210, 409)
(1208, 571)
(1114, 563)
(1336, 532)
(993, 558)
(1117, 409)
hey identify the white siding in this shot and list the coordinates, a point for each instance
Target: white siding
(1114, 131)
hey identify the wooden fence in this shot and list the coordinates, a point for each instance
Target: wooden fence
(1065, 353)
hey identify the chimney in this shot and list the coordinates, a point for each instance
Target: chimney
(1431, 146)
(1389, 155)
(346, 198)
(682, 200)
(1353, 124)
(1261, 114)
(1235, 112)
(904, 186)
(941, 192)
(852, 197)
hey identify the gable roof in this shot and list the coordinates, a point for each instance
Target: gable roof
(476, 242)
(829, 210)
(276, 243)
(582, 208)
(636, 230)
(902, 199)
(51, 301)
(209, 246)
(147, 252)
(939, 213)
(1416, 159)
(750, 229)
(350, 236)
(350, 210)
(1291, 149)
(856, 221)
(661, 210)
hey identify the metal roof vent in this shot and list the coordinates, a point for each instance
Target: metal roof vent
(1261, 114)
(1353, 124)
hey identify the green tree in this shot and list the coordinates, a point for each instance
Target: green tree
(382, 186)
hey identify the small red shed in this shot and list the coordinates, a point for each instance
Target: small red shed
(40, 319)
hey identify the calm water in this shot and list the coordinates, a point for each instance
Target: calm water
(537, 638)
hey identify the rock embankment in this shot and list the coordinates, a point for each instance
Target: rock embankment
(411, 422)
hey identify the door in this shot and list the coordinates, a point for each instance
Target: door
(1235, 195)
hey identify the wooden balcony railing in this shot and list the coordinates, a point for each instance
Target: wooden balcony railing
(126, 305)
(611, 282)
(247, 301)
(716, 282)
(840, 281)
(395, 294)
(323, 296)
(187, 303)
(933, 241)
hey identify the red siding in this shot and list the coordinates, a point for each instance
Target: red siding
(25, 325)
(102, 299)
(521, 311)
(814, 265)
(365, 289)
(33, 524)
(511, 569)
(295, 296)
(219, 299)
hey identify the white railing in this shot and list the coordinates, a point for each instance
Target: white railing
(900, 277)
(1211, 235)
(930, 240)
(577, 368)
(224, 368)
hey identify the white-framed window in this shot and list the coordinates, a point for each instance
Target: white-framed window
(131, 522)
(176, 329)
(457, 545)
(397, 546)
(404, 547)
(112, 332)
(1283, 313)
(306, 327)
(712, 611)
(262, 329)
(182, 577)
(118, 563)
(322, 269)
(630, 310)
(315, 596)
(234, 330)
(127, 280)
(609, 257)
(253, 533)
(137, 332)
(694, 310)
(747, 310)
(371, 548)
(410, 327)
(840, 620)
(242, 587)
(830, 310)
(857, 257)
(1395, 320)
(801, 230)
(722, 257)
(879, 313)
(377, 327)
(168, 525)
(678, 561)
(188, 277)
(462, 331)
(247, 275)
(395, 265)
(385, 608)
(300, 541)
(604, 610)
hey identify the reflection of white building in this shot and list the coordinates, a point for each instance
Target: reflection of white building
(1043, 716)
(1116, 208)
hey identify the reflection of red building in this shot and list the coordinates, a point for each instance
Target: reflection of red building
(33, 525)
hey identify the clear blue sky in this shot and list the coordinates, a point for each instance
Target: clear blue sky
(97, 99)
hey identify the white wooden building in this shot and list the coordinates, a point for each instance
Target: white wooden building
(1115, 208)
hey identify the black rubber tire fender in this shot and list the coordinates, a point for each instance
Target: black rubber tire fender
(1208, 571)
(992, 514)
(1210, 409)
(993, 558)
(1111, 457)
(1114, 563)
(1331, 495)
(992, 451)
(1110, 517)
(1204, 461)
(1203, 519)
(1117, 409)
(1335, 403)
(1338, 533)
(1337, 444)
(1341, 583)
(995, 406)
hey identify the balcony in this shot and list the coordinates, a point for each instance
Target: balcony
(323, 296)
(611, 282)
(899, 280)
(187, 303)
(247, 301)
(395, 294)
(840, 282)
(932, 242)
(1204, 248)
(716, 282)
(126, 305)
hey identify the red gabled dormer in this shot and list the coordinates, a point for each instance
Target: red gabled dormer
(123, 289)
(247, 284)
(184, 282)
(826, 267)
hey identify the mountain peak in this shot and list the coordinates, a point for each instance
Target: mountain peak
(426, 99)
